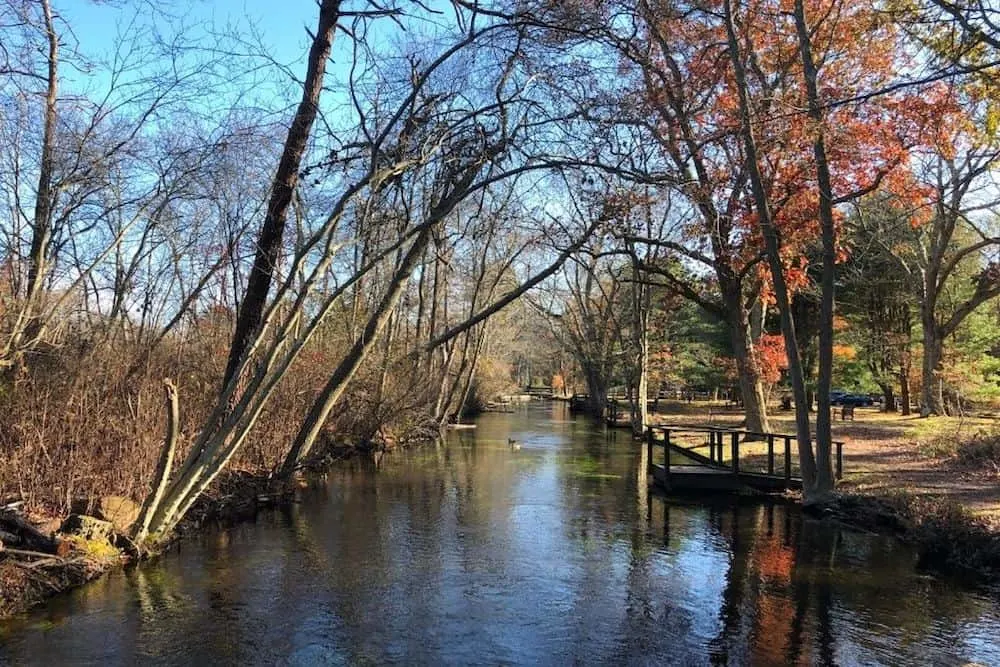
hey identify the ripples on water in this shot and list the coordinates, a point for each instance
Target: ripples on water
(471, 553)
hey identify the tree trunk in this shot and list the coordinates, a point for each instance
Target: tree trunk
(463, 398)
(342, 375)
(904, 384)
(597, 392)
(888, 397)
(639, 427)
(806, 316)
(163, 466)
(824, 440)
(286, 179)
(747, 368)
(932, 399)
(447, 360)
(807, 461)
(28, 325)
(640, 327)
(41, 233)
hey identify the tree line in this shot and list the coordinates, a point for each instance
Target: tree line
(352, 265)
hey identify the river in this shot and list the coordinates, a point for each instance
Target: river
(472, 552)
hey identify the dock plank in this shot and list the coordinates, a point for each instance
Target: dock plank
(698, 477)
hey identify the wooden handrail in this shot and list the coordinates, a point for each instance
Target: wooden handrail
(715, 446)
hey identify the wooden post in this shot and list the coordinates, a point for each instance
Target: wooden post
(840, 460)
(770, 453)
(649, 451)
(736, 452)
(666, 456)
(788, 458)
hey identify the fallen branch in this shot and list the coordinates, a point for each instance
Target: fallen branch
(29, 553)
(25, 533)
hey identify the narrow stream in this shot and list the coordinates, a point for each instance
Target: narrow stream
(473, 553)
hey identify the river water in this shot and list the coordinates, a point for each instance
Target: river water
(474, 553)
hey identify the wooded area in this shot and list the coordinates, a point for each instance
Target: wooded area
(760, 199)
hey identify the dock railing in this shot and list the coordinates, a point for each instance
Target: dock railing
(735, 450)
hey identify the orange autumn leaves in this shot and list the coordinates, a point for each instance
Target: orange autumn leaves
(868, 137)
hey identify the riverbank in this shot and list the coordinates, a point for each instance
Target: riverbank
(948, 538)
(29, 578)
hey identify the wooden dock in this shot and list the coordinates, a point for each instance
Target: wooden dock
(699, 458)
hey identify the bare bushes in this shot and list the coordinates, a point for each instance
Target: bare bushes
(387, 406)
(78, 424)
(493, 379)
(981, 451)
(82, 421)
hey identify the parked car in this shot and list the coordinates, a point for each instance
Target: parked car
(838, 397)
(857, 400)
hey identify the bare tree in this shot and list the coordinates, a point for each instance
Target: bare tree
(423, 134)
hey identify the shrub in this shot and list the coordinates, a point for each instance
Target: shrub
(981, 450)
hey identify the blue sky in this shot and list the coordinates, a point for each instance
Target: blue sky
(270, 29)
(281, 22)
(281, 27)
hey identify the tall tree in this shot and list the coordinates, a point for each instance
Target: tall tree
(823, 178)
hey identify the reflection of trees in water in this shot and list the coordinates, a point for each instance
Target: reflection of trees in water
(801, 591)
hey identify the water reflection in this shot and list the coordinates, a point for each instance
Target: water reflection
(472, 553)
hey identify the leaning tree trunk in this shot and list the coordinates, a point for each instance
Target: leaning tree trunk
(342, 375)
(807, 460)
(286, 178)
